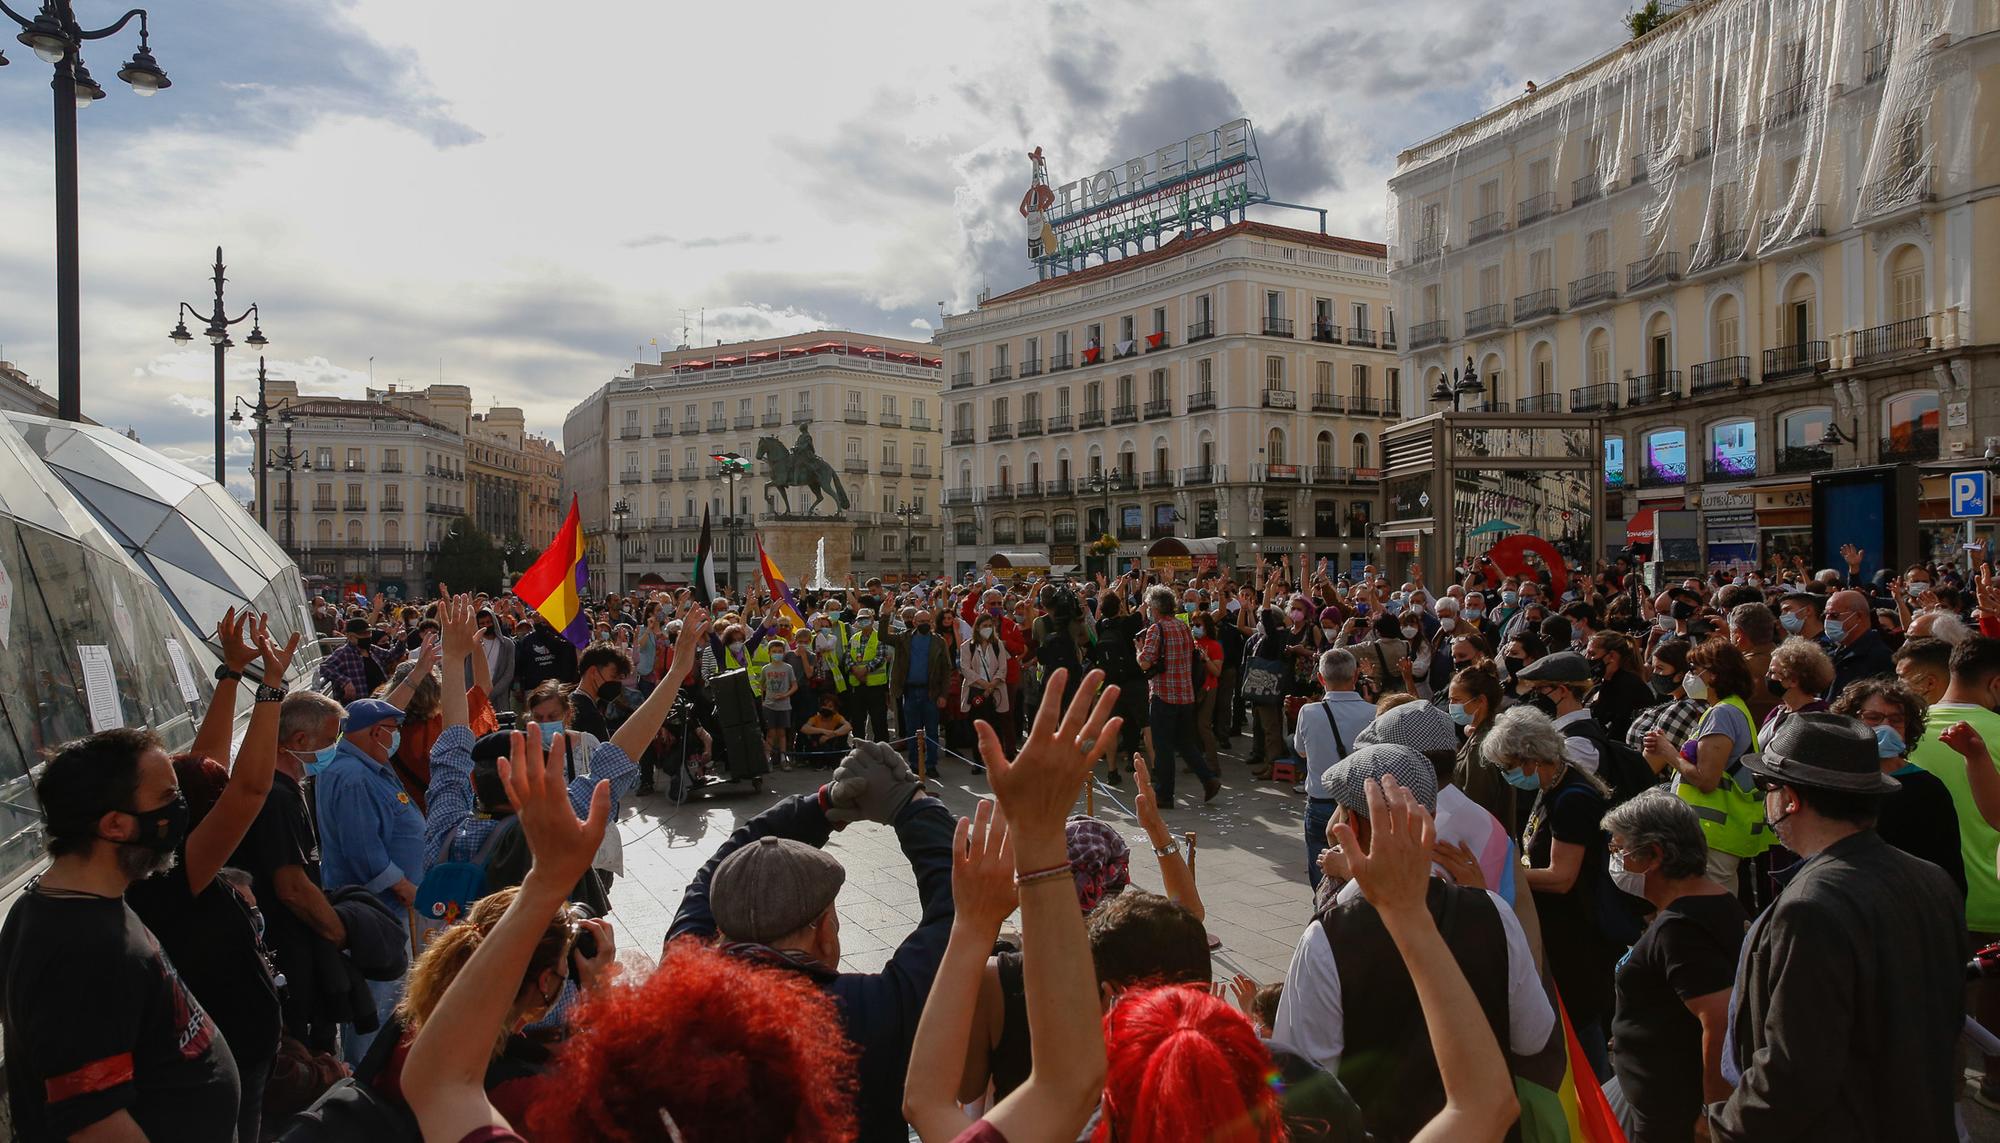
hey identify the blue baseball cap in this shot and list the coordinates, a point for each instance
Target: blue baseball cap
(364, 713)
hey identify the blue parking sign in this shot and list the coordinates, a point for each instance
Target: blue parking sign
(1968, 494)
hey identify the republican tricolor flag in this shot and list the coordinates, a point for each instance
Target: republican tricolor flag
(554, 585)
(774, 583)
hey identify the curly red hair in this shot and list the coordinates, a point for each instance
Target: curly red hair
(1182, 1064)
(730, 1050)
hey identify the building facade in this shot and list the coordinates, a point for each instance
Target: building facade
(1228, 385)
(20, 394)
(869, 406)
(513, 477)
(1746, 242)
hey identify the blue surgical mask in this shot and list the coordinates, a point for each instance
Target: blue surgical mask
(1460, 715)
(1792, 621)
(1393, 607)
(1509, 598)
(322, 758)
(549, 732)
(1836, 630)
(1888, 743)
(1522, 780)
(1195, 630)
(395, 740)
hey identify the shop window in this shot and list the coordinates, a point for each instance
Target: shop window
(1910, 426)
(1614, 462)
(1732, 450)
(1665, 461)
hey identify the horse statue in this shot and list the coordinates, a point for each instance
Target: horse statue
(798, 468)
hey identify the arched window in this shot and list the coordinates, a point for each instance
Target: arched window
(1905, 286)
(323, 532)
(1274, 447)
(964, 476)
(1910, 426)
(354, 533)
(1489, 374)
(1360, 450)
(1543, 369)
(392, 533)
(1323, 452)
(1798, 313)
(1665, 461)
(1659, 347)
(1732, 450)
(1799, 435)
(1597, 358)
(1725, 330)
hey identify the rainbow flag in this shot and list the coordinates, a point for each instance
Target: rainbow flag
(1575, 1112)
(554, 585)
(774, 582)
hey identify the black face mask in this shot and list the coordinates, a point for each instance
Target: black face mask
(1776, 688)
(923, 628)
(1663, 686)
(161, 830)
(1597, 669)
(1514, 664)
(1682, 610)
(1542, 702)
(609, 691)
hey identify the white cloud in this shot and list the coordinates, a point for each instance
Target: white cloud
(198, 406)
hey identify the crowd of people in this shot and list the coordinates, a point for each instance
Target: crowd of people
(1713, 856)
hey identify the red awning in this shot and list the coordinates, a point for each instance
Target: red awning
(1639, 530)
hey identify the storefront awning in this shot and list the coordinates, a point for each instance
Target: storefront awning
(1018, 562)
(1175, 546)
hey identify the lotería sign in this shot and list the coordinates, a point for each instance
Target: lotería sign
(1215, 174)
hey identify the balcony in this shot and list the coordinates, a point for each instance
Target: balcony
(1201, 399)
(1359, 336)
(920, 424)
(1540, 403)
(663, 474)
(1718, 249)
(663, 429)
(1701, 144)
(1388, 339)
(854, 416)
(1785, 105)
(1131, 532)
(1031, 367)
(322, 506)
(1792, 360)
(1657, 270)
(1277, 326)
(1668, 475)
(1276, 473)
(1718, 375)
(1060, 361)
(393, 506)
(1029, 427)
(1062, 423)
(1585, 189)
(956, 496)
(1124, 414)
(1804, 458)
(961, 436)
(891, 468)
(1427, 333)
(1118, 353)
(1059, 486)
(1325, 332)
(717, 424)
(772, 418)
(1200, 474)
(1724, 471)
(1594, 398)
(1201, 330)
(1483, 319)
(1641, 170)
(1653, 388)
(1593, 288)
(1900, 189)
(801, 416)
(1535, 304)
(690, 472)
(1893, 340)
(1875, 62)
(1341, 474)
(1158, 478)
(1915, 445)
(1425, 247)
(1486, 226)
(1162, 407)
(1028, 489)
(629, 433)
(1779, 230)
(631, 476)
(1091, 419)
(1534, 208)
(961, 380)
(1361, 403)
(1000, 373)
(392, 466)
(890, 420)
(1328, 402)
(1280, 399)
(745, 421)
(355, 506)
(920, 470)
(690, 426)
(855, 465)
(1000, 432)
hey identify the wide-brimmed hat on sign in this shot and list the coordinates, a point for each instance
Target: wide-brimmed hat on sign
(1823, 752)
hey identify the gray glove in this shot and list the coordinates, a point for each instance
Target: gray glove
(872, 783)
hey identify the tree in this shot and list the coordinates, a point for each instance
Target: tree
(1646, 18)
(466, 559)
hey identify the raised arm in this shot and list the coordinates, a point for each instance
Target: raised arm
(1174, 871)
(459, 624)
(218, 724)
(427, 658)
(636, 732)
(217, 836)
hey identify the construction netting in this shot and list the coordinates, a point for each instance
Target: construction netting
(1776, 118)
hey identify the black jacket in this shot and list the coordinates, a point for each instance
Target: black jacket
(1865, 658)
(879, 1009)
(1849, 1004)
(378, 948)
(542, 655)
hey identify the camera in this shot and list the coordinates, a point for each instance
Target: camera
(1060, 601)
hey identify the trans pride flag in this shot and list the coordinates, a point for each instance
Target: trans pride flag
(554, 585)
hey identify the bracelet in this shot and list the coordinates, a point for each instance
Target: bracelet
(1167, 850)
(1022, 880)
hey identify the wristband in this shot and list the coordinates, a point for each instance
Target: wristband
(222, 672)
(1167, 850)
(270, 693)
(1051, 873)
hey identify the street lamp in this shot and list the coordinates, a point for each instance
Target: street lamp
(217, 333)
(291, 462)
(621, 514)
(734, 464)
(260, 414)
(1460, 386)
(57, 39)
(908, 513)
(1833, 436)
(1103, 481)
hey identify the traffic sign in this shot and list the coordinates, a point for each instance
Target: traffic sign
(1968, 494)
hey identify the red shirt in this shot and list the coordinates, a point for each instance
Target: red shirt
(1212, 651)
(1168, 645)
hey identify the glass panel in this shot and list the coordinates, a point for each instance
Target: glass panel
(1614, 461)
(1553, 505)
(1666, 457)
(1733, 449)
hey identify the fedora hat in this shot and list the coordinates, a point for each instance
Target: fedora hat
(1823, 752)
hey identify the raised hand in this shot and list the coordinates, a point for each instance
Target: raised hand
(982, 868)
(1852, 555)
(1144, 804)
(237, 651)
(1963, 739)
(562, 846)
(1243, 991)
(1395, 870)
(1038, 788)
(276, 661)
(694, 627)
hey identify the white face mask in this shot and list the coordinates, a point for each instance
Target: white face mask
(1694, 686)
(1626, 880)
(1328, 632)
(1410, 632)
(1446, 623)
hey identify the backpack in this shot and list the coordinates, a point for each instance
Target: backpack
(1622, 768)
(450, 888)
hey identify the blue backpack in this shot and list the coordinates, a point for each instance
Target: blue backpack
(450, 888)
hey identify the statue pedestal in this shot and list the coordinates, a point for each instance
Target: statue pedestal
(794, 543)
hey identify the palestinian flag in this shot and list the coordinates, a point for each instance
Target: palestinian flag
(702, 580)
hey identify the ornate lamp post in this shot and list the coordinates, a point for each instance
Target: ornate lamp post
(260, 414)
(908, 513)
(57, 39)
(1460, 386)
(217, 333)
(621, 514)
(734, 464)
(291, 462)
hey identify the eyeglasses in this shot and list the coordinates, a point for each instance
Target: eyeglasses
(1765, 784)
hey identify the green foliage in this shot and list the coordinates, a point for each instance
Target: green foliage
(1646, 18)
(467, 560)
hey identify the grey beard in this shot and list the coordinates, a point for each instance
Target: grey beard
(137, 862)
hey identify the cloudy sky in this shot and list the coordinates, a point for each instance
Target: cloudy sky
(518, 197)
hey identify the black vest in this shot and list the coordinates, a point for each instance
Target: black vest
(1387, 1062)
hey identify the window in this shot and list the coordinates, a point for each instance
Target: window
(1159, 319)
(1156, 385)
(1600, 357)
(323, 459)
(1732, 450)
(1277, 516)
(1203, 309)
(1031, 406)
(1538, 177)
(1910, 424)
(1428, 302)
(889, 451)
(1093, 397)
(1125, 333)
(1204, 374)
(1797, 316)
(1360, 378)
(743, 407)
(715, 411)
(1429, 227)
(1906, 284)
(1323, 377)
(1728, 338)
(1125, 391)
(962, 418)
(1489, 285)
(1031, 353)
(1665, 461)
(888, 404)
(1361, 317)
(1274, 306)
(965, 362)
(917, 408)
(1539, 275)
(1323, 451)
(1000, 356)
(770, 405)
(1062, 343)
(1597, 252)
(1062, 401)
(354, 459)
(1614, 462)
(1093, 335)
(1274, 447)
(999, 412)
(1274, 372)
(1360, 449)
(920, 455)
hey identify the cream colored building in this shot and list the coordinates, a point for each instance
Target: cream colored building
(869, 405)
(1747, 241)
(1231, 384)
(20, 394)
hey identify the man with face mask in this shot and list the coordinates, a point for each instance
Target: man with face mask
(355, 669)
(1857, 648)
(917, 677)
(543, 654)
(102, 1038)
(1557, 684)
(1799, 614)
(370, 832)
(601, 673)
(1860, 1044)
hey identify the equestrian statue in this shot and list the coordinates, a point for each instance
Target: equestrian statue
(798, 467)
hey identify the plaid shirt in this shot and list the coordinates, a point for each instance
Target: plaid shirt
(454, 832)
(1169, 644)
(346, 666)
(1676, 717)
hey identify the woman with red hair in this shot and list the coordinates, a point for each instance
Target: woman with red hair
(1182, 1064)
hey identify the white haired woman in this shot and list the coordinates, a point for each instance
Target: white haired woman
(1673, 988)
(1567, 858)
